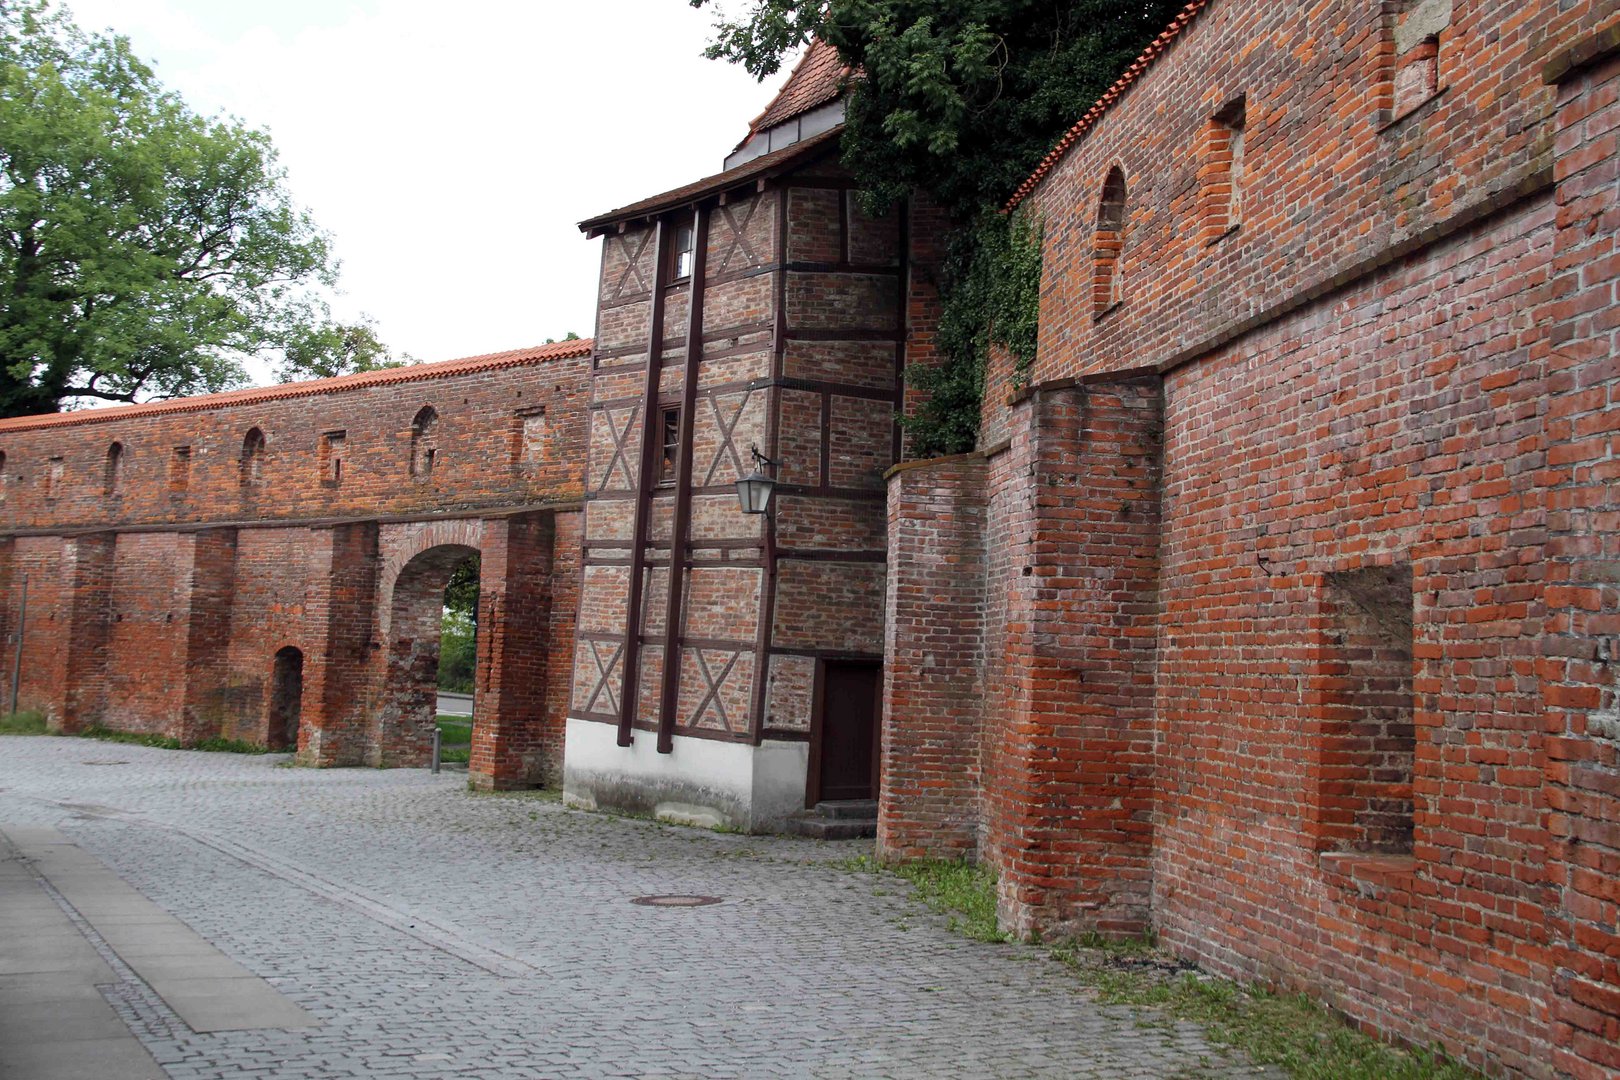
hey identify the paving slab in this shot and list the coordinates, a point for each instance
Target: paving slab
(55, 1023)
(435, 933)
(205, 988)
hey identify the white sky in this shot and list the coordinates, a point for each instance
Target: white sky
(450, 148)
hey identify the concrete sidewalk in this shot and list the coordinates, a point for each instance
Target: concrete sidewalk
(55, 1023)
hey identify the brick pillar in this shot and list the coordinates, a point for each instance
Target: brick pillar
(339, 680)
(1069, 774)
(210, 585)
(10, 590)
(510, 741)
(933, 656)
(1580, 666)
(567, 573)
(88, 568)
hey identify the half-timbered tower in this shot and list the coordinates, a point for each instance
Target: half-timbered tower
(727, 667)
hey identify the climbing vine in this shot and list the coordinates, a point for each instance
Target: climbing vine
(990, 296)
(958, 101)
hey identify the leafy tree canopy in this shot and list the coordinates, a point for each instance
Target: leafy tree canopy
(959, 100)
(461, 594)
(144, 250)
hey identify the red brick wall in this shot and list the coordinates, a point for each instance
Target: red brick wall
(1329, 181)
(167, 618)
(480, 461)
(1402, 360)
(1581, 644)
(933, 676)
(1322, 447)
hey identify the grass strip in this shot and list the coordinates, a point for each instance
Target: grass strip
(215, 745)
(22, 723)
(1290, 1031)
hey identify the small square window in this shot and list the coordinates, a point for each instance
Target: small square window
(333, 448)
(180, 470)
(529, 435)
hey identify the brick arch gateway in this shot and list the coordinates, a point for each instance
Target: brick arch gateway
(407, 701)
(262, 594)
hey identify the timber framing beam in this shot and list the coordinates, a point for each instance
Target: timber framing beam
(629, 689)
(680, 550)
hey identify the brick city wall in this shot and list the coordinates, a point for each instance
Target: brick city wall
(1359, 640)
(181, 604)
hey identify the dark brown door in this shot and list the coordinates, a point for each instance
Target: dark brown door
(846, 749)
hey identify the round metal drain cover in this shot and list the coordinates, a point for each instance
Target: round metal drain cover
(675, 901)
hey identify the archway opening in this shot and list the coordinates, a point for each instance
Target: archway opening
(419, 611)
(286, 699)
(458, 660)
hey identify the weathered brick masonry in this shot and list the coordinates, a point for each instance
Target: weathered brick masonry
(1297, 548)
(193, 563)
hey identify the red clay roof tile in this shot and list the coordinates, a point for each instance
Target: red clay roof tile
(1132, 73)
(252, 395)
(817, 78)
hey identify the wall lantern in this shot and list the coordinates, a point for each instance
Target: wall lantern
(754, 490)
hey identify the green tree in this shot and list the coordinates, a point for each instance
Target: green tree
(458, 629)
(958, 100)
(144, 250)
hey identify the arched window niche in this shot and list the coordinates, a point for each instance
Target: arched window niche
(112, 479)
(252, 461)
(424, 442)
(1108, 244)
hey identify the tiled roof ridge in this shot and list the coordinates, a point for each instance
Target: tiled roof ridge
(439, 369)
(822, 54)
(1154, 50)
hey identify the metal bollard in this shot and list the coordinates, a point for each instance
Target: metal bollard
(437, 736)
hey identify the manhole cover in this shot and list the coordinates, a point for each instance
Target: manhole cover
(675, 901)
(103, 763)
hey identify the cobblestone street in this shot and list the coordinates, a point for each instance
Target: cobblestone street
(433, 932)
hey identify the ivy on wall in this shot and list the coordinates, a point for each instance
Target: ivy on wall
(990, 296)
(957, 100)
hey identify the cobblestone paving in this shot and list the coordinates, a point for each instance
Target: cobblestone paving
(437, 933)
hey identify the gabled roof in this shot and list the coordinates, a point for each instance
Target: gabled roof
(253, 395)
(818, 77)
(1104, 103)
(752, 171)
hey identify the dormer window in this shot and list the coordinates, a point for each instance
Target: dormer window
(681, 250)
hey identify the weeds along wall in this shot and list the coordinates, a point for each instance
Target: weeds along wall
(1297, 561)
(189, 561)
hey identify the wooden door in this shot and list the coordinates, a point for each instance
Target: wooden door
(844, 748)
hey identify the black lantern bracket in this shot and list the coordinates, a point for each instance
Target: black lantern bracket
(754, 490)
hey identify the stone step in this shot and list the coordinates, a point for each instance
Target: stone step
(819, 828)
(864, 809)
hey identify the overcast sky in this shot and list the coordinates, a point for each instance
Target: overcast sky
(450, 148)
